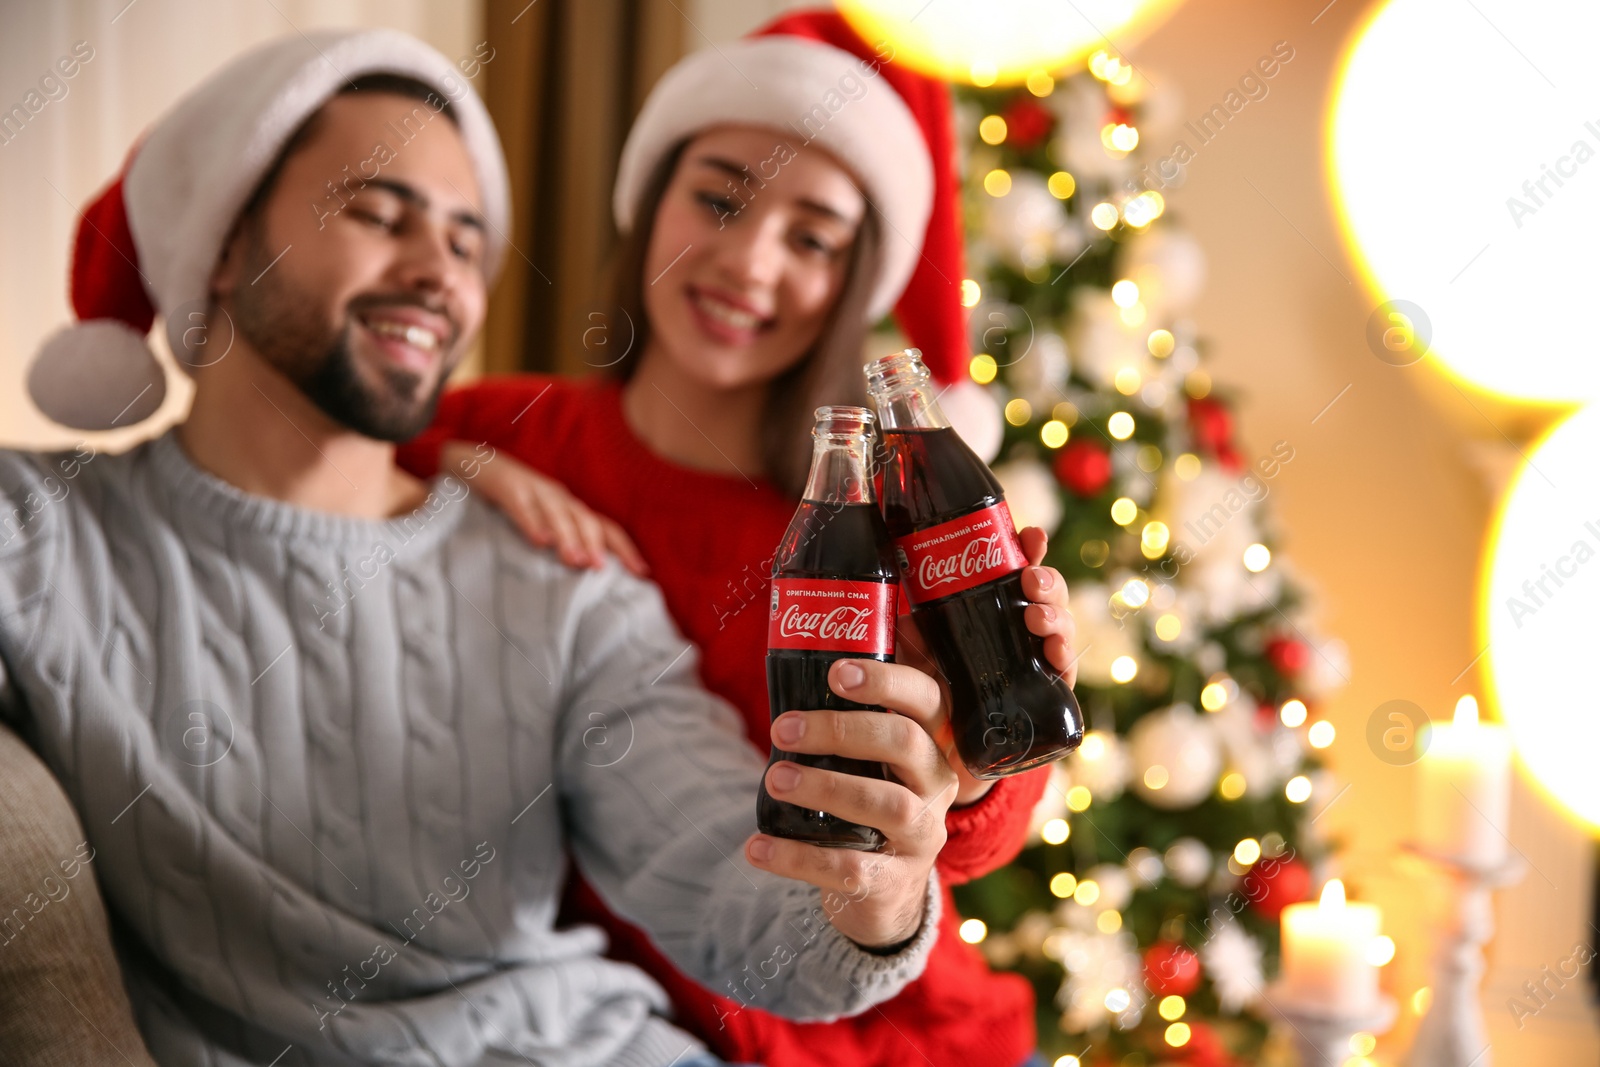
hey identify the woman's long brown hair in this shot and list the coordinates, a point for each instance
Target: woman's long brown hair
(830, 373)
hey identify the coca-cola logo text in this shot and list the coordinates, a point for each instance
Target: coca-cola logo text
(961, 554)
(843, 623)
(975, 557)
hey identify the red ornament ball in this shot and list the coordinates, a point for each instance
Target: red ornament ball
(1027, 123)
(1205, 1049)
(1288, 656)
(1083, 467)
(1274, 884)
(1171, 968)
(1212, 425)
(1266, 717)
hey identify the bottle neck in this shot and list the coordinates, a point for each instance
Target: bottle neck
(839, 464)
(903, 392)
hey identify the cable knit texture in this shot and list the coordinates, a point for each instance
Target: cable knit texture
(709, 539)
(330, 767)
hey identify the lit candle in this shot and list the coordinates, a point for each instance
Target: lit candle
(1325, 953)
(1466, 788)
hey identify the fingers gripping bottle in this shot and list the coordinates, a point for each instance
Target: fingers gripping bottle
(961, 564)
(834, 590)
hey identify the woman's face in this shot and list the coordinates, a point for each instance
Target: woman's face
(751, 243)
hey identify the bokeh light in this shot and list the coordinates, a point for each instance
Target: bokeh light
(1536, 609)
(1002, 42)
(1496, 255)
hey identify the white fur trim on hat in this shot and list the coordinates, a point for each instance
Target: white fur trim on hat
(812, 93)
(973, 413)
(97, 375)
(191, 176)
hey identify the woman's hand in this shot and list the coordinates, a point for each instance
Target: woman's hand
(874, 898)
(540, 507)
(1047, 617)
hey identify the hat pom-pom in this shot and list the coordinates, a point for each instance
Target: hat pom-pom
(976, 417)
(97, 375)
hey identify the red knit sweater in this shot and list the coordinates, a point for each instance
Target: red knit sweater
(709, 539)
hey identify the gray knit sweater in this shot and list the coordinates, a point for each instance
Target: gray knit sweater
(330, 769)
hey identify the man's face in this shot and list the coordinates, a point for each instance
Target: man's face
(361, 277)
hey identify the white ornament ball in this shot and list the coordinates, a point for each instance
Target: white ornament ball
(1145, 867)
(1100, 764)
(1039, 372)
(1329, 669)
(1101, 638)
(1053, 804)
(1168, 266)
(1189, 861)
(1101, 344)
(1116, 887)
(1023, 225)
(1176, 758)
(1032, 494)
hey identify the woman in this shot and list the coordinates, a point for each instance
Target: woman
(756, 251)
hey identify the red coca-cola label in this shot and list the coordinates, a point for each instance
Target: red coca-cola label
(823, 615)
(961, 554)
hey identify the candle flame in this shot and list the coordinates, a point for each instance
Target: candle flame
(1332, 895)
(1467, 711)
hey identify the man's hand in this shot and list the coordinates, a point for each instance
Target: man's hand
(877, 897)
(1047, 617)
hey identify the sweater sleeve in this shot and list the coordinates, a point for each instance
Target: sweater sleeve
(659, 786)
(986, 836)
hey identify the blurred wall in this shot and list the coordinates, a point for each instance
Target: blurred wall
(1386, 506)
(145, 55)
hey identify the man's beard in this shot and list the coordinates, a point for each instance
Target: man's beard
(285, 327)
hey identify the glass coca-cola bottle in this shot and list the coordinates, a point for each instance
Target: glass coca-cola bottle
(833, 597)
(961, 564)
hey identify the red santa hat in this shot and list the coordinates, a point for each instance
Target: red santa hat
(149, 243)
(811, 75)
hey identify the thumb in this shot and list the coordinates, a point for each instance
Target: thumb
(1034, 543)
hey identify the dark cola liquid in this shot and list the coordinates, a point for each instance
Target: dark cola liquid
(1010, 710)
(825, 541)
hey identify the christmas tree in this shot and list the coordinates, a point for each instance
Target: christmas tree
(1144, 909)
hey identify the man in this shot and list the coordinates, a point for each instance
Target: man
(329, 730)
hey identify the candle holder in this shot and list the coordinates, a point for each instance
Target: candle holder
(1452, 1033)
(1322, 1033)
